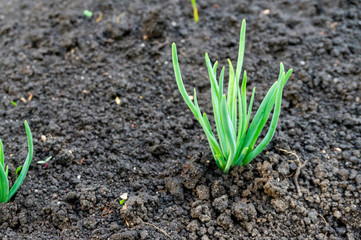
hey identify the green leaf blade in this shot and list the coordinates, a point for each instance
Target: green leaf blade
(26, 165)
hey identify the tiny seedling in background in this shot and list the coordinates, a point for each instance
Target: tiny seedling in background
(17, 171)
(123, 197)
(235, 146)
(5, 193)
(195, 10)
(45, 162)
(14, 103)
(88, 13)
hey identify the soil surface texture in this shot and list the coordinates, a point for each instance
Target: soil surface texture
(100, 96)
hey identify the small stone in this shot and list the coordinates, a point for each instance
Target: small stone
(204, 237)
(319, 172)
(193, 226)
(337, 214)
(266, 12)
(244, 211)
(279, 205)
(284, 168)
(217, 189)
(336, 197)
(358, 179)
(144, 234)
(310, 148)
(175, 187)
(114, 226)
(221, 203)
(343, 174)
(272, 190)
(225, 221)
(337, 149)
(202, 192)
(202, 212)
(313, 216)
(193, 175)
(65, 157)
(307, 221)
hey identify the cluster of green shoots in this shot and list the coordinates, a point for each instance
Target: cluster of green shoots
(237, 138)
(5, 193)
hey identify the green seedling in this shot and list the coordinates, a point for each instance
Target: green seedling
(88, 13)
(14, 103)
(17, 172)
(195, 10)
(45, 162)
(5, 193)
(123, 197)
(236, 144)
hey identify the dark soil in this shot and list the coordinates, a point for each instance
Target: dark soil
(149, 145)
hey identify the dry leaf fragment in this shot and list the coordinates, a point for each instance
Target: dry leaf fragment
(99, 18)
(30, 96)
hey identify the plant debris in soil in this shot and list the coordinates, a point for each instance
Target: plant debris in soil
(102, 92)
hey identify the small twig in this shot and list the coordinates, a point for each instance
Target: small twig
(325, 223)
(298, 170)
(288, 176)
(159, 229)
(323, 219)
(106, 210)
(161, 45)
(79, 162)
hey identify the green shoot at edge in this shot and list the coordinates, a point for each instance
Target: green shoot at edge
(5, 193)
(236, 137)
(195, 10)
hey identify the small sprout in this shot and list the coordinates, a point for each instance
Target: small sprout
(195, 10)
(14, 103)
(17, 171)
(45, 162)
(123, 197)
(88, 13)
(5, 193)
(237, 136)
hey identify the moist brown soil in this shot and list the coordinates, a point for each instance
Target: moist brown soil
(149, 145)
